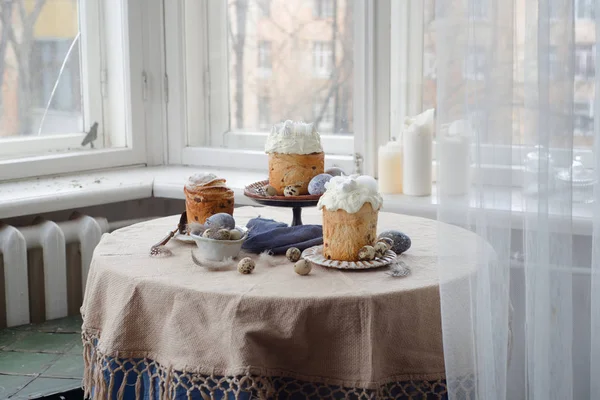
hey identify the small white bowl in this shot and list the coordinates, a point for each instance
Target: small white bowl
(218, 250)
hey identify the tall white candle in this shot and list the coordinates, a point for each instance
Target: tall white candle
(389, 168)
(417, 142)
(454, 171)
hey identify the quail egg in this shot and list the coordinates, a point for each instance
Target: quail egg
(293, 254)
(222, 234)
(291, 190)
(246, 266)
(270, 190)
(302, 267)
(209, 233)
(235, 234)
(366, 253)
(381, 248)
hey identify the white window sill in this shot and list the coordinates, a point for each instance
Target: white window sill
(34, 196)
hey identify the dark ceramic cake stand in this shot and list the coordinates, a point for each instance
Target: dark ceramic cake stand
(256, 192)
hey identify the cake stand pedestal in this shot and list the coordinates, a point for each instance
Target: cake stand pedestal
(256, 192)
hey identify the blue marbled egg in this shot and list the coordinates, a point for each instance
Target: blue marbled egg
(401, 241)
(317, 184)
(220, 220)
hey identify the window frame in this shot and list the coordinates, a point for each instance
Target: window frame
(203, 138)
(121, 74)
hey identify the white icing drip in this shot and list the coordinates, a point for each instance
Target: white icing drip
(294, 138)
(202, 179)
(350, 193)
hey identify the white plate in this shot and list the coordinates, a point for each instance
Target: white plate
(184, 238)
(315, 256)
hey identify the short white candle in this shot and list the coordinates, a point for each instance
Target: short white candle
(389, 168)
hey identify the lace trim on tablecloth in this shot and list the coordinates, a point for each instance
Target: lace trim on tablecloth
(107, 377)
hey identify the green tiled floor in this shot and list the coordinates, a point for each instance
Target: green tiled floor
(41, 360)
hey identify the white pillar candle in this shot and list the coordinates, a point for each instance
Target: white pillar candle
(454, 173)
(389, 168)
(417, 171)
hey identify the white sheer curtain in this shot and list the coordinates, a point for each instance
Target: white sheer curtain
(525, 323)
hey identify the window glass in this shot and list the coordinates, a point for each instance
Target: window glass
(474, 64)
(40, 72)
(304, 51)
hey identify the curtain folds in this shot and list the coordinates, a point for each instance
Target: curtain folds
(526, 323)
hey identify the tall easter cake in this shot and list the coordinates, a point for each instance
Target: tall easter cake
(295, 155)
(206, 195)
(350, 208)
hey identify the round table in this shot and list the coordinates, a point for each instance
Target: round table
(167, 328)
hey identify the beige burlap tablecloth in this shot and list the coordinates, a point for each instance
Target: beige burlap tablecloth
(358, 329)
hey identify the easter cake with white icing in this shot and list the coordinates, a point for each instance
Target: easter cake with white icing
(350, 207)
(295, 156)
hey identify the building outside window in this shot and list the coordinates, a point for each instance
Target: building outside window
(322, 59)
(264, 58)
(585, 9)
(264, 7)
(323, 8)
(585, 61)
(478, 8)
(327, 115)
(49, 55)
(583, 118)
(264, 112)
(475, 64)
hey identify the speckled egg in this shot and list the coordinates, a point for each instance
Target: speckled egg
(302, 267)
(401, 241)
(221, 220)
(386, 240)
(222, 234)
(210, 233)
(381, 248)
(246, 266)
(366, 253)
(235, 234)
(335, 171)
(270, 190)
(293, 254)
(317, 184)
(291, 190)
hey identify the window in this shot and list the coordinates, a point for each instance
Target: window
(583, 118)
(323, 8)
(59, 79)
(264, 113)
(264, 58)
(554, 65)
(475, 64)
(264, 7)
(585, 61)
(429, 65)
(324, 114)
(478, 8)
(322, 58)
(300, 56)
(585, 9)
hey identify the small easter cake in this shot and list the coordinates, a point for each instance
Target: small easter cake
(206, 195)
(350, 207)
(295, 156)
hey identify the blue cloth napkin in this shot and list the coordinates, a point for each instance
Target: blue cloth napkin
(276, 237)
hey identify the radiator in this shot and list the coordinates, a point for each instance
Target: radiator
(44, 267)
